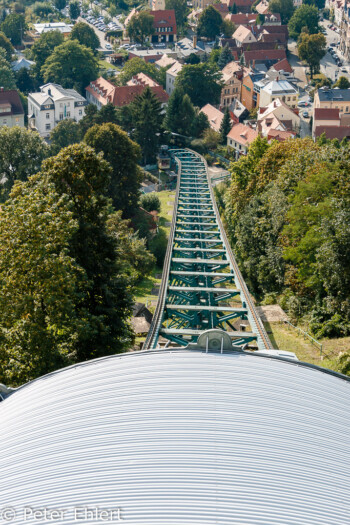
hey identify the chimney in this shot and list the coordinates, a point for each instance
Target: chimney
(194, 41)
(49, 92)
(1, 88)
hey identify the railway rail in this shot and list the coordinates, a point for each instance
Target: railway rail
(202, 287)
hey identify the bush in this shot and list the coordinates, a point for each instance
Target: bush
(158, 246)
(150, 202)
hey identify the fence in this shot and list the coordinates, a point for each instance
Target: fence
(306, 336)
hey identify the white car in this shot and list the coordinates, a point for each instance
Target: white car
(108, 46)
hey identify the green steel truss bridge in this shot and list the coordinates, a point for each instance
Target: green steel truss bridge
(202, 287)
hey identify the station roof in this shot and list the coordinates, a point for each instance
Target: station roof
(181, 437)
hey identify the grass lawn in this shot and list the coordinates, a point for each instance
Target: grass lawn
(106, 65)
(286, 338)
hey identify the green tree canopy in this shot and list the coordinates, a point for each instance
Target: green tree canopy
(71, 65)
(180, 113)
(225, 127)
(123, 155)
(7, 46)
(228, 28)
(312, 48)
(342, 83)
(147, 119)
(25, 81)
(209, 23)
(66, 132)
(21, 155)
(85, 35)
(7, 77)
(137, 65)
(180, 8)
(317, 3)
(284, 7)
(225, 57)
(60, 4)
(42, 9)
(140, 26)
(43, 48)
(201, 82)
(150, 202)
(14, 27)
(78, 172)
(74, 10)
(304, 16)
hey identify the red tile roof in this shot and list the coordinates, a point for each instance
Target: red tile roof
(242, 18)
(333, 132)
(243, 134)
(281, 136)
(11, 96)
(121, 95)
(222, 8)
(326, 114)
(262, 55)
(283, 64)
(164, 18)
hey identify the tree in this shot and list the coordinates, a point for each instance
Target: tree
(7, 78)
(74, 10)
(137, 65)
(60, 4)
(200, 124)
(284, 7)
(123, 155)
(234, 8)
(7, 46)
(66, 132)
(21, 155)
(43, 48)
(342, 83)
(147, 120)
(228, 28)
(140, 26)
(13, 27)
(107, 113)
(150, 202)
(260, 20)
(201, 82)
(71, 65)
(42, 9)
(24, 81)
(105, 302)
(40, 284)
(304, 16)
(85, 35)
(180, 113)
(317, 3)
(192, 59)
(312, 48)
(225, 57)
(209, 23)
(180, 8)
(211, 138)
(225, 127)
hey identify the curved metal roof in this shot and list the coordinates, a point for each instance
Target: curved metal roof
(180, 437)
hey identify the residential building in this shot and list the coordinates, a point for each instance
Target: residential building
(101, 92)
(248, 94)
(222, 9)
(171, 75)
(345, 32)
(297, 3)
(165, 61)
(325, 117)
(249, 19)
(282, 67)
(143, 80)
(238, 112)
(280, 136)
(337, 7)
(201, 4)
(240, 138)
(185, 47)
(164, 25)
(232, 85)
(52, 104)
(333, 98)
(214, 115)
(11, 109)
(263, 7)
(158, 5)
(243, 35)
(281, 89)
(331, 122)
(278, 116)
(243, 6)
(62, 27)
(21, 63)
(266, 56)
(151, 55)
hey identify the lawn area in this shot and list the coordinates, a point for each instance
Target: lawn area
(287, 338)
(106, 65)
(143, 292)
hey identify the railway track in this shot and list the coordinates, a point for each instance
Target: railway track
(202, 287)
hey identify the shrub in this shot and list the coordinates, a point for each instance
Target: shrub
(150, 202)
(158, 246)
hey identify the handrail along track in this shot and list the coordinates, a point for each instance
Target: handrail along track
(202, 287)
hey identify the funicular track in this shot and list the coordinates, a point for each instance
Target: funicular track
(202, 287)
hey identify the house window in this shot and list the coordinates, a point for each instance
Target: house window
(80, 111)
(47, 115)
(61, 116)
(48, 126)
(68, 114)
(4, 121)
(347, 108)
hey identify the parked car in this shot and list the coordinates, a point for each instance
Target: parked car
(305, 114)
(332, 44)
(343, 70)
(108, 46)
(303, 104)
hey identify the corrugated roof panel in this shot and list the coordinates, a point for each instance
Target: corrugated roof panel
(180, 437)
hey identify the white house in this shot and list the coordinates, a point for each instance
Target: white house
(62, 27)
(171, 75)
(278, 89)
(240, 138)
(243, 35)
(51, 105)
